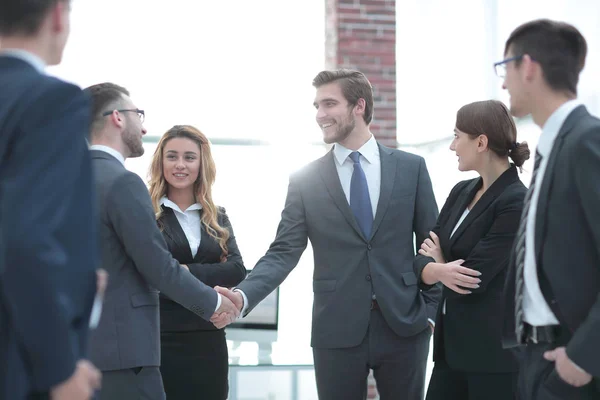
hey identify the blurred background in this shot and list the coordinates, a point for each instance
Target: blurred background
(241, 72)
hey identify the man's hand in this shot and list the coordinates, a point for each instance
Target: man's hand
(101, 284)
(184, 266)
(432, 326)
(432, 248)
(567, 369)
(235, 297)
(80, 386)
(101, 281)
(227, 312)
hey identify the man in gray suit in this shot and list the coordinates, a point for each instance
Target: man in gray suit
(125, 346)
(359, 205)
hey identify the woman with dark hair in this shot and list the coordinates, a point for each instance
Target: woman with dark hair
(194, 359)
(468, 252)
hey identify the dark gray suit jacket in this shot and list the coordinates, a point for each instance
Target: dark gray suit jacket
(348, 266)
(567, 240)
(139, 264)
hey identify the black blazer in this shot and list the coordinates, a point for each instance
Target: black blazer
(48, 233)
(567, 239)
(205, 266)
(468, 337)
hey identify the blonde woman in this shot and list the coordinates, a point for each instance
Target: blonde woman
(194, 359)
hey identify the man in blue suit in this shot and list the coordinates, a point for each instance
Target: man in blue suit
(48, 241)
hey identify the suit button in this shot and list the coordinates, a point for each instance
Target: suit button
(368, 278)
(369, 246)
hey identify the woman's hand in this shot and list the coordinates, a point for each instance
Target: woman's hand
(431, 248)
(453, 275)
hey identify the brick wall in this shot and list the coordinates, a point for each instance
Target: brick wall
(361, 34)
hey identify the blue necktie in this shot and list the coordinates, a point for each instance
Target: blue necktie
(360, 202)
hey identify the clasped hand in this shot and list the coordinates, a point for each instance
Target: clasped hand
(231, 305)
(452, 274)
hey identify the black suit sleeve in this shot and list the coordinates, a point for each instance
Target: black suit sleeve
(426, 214)
(492, 253)
(584, 348)
(228, 273)
(48, 229)
(132, 218)
(421, 261)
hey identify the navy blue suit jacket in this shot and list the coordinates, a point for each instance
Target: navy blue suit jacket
(48, 241)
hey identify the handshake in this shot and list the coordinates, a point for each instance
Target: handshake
(232, 303)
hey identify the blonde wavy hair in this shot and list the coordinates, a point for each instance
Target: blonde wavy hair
(202, 186)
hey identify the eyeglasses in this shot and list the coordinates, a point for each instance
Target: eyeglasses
(500, 66)
(139, 112)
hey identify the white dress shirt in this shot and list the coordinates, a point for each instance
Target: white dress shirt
(110, 151)
(30, 58)
(460, 221)
(536, 310)
(189, 220)
(370, 163)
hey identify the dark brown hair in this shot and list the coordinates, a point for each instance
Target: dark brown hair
(104, 96)
(354, 85)
(558, 47)
(24, 16)
(492, 119)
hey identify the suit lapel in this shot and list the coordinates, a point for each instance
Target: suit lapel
(208, 245)
(465, 197)
(388, 177)
(334, 187)
(507, 178)
(546, 185)
(181, 250)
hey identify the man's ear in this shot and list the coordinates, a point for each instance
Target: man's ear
(529, 68)
(59, 16)
(116, 118)
(360, 106)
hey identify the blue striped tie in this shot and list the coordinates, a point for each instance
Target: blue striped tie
(360, 202)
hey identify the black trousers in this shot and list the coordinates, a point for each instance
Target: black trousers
(449, 384)
(538, 379)
(398, 365)
(195, 365)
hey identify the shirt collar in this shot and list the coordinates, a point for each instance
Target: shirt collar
(168, 203)
(369, 150)
(110, 151)
(553, 126)
(24, 55)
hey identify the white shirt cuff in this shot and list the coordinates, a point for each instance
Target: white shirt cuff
(218, 301)
(432, 322)
(245, 306)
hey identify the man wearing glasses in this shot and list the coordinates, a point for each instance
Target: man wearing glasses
(125, 345)
(554, 281)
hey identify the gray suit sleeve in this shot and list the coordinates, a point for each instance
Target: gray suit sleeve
(283, 254)
(583, 348)
(425, 218)
(132, 217)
